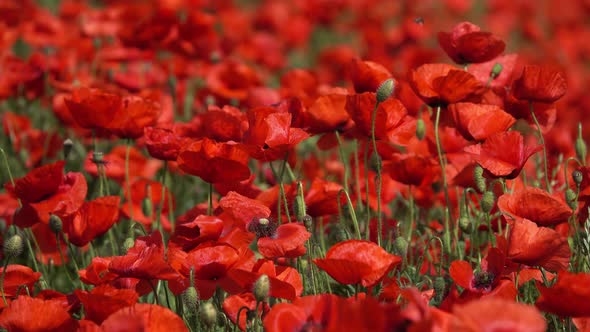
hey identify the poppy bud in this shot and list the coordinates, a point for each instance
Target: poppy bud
(128, 244)
(67, 147)
(479, 179)
(385, 90)
(439, 285)
(308, 222)
(340, 233)
(487, 201)
(461, 247)
(261, 288)
(299, 203)
(581, 150)
(578, 177)
(13, 247)
(55, 223)
(571, 198)
(420, 129)
(375, 162)
(190, 299)
(496, 70)
(97, 157)
(147, 206)
(465, 225)
(400, 246)
(209, 314)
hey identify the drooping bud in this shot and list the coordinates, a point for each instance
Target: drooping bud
(55, 223)
(571, 198)
(261, 288)
(487, 201)
(385, 90)
(13, 247)
(578, 177)
(299, 204)
(67, 147)
(496, 70)
(190, 300)
(581, 149)
(308, 222)
(465, 225)
(400, 246)
(420, 129)
(479, 179)
(208, 314)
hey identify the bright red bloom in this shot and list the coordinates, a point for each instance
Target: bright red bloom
(144, 261)
(540, 83)
(482, 71)
(114, 164)
(356, 261)
(30, 314)
(503, 154)
(231, 80)
(214, 162)
(497, 315)
(17, 276)
(242, 210)
(93, 219)
(467, 44)
(569, 297)
(223, 124)
(532, 245)
(438, 84)
(97, 272)
(285, 281)
(163, 144)
(235, 304)
(288, 241)
(479, 121)
(321, 199)
(412, 169)
(327, 113)
(102, 301)
(536, 205)
(367, 76)
(144, 317)
(201, 229)
(45, 191)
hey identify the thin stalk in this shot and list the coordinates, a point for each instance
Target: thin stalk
(447, 234)
(542, 140)
(2, 280)
(379, 181)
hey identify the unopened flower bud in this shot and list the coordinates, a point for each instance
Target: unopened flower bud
(571, 198)
(147, 207)
(479, 179)
(97, 157)
(496, 70)
(261, 288)
(581, 150)
(400, 246)
(55, 223)
(208, 314)
(578, 177)
(190, 299)
(385, 90)
(420, 129)
(439, 285)
(465, 225)
(487, 201)
(299, 204)
(128, 244)
(308, 222)
(13, 247)
(67, 147)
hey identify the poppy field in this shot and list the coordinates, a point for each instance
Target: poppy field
(294, 165)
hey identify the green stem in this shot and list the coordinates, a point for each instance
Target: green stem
(343, 159)
(210, 200)
(351, 212)
(447, 228)
(2, 280)
(542, 140)
(379, 181)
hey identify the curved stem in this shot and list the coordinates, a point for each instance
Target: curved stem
(378, 181)
(447, 234)
(542, 140)
(2, 281)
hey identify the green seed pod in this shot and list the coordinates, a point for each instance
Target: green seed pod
(400, 246)
(13, 247)
(55, 223)
(261, 288)
(420, 129)
(299, 204)
(208, 314)
(190, 300)
(571, 198)
(578, 177)
(385, 90)
(487, 201)
(496, 70)
(465, 225)
(479, 179)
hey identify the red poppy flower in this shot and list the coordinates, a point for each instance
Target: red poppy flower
(114, 164)
(144, 317)
(532, 245)
(102, 301)
(540, 83)
(285, 281)
(546, 114)
(45, 191)
(235, 304)
(93, 108)
(288, 241)
(231, 80)
(392, 122)
(495, 315)
(536, 205)
(145, 260)
(438, 84)
(270, 134)
(214, 162)
(30, 314)
(327, 113)
(367, 76)
(223, 124)
(356, 261)
(479, 121)
(201, 229)
(467, 44)
(162, 143)
(503, 154)
(97, 272)
(482, 71)
(93, 219)
(242, 210)
(18, 276)
(568, 297)
(321, 199)
(142, 189)
(412, 169)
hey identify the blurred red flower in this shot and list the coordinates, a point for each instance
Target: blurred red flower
(467, 44)
(30, 314)
(540, 83)
(568, 297)
(102, 301)
(144, 317)
(441, 84)
(497, 314)
(367, 76)
(536, 205)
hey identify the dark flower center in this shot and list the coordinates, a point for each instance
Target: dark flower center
(263, 227)
(483, 280)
